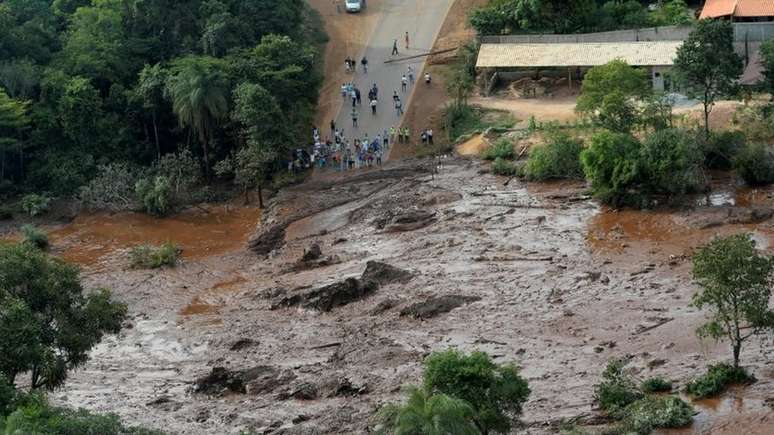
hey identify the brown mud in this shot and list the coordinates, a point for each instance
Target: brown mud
(534, 274)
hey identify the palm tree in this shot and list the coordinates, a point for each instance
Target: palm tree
(427, 414)
(199, 90)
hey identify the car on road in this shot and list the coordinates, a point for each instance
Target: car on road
(354, 5)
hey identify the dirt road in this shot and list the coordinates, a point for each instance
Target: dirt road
(422, 19)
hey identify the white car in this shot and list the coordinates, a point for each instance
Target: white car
(353, 5)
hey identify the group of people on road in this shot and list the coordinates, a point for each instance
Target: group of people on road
(342, 154)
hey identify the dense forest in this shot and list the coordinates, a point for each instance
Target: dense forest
(578, 16)
(108, 99)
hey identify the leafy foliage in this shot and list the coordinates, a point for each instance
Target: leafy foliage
(34, 237)
(716, 380)
(430, 414)
(559, 157)
(155, 194)
(609, 94)
(707, 64)
(154, 257)
(47, 324)
(495, 392)
(34, 204)
(657, 412)
(502, 149)
(755, 164)
(720, 149)
(504, 167)
(113, 188)
(656, 385)
(617, 389)
(736, 283)
(611, 163)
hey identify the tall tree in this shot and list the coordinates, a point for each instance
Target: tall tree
(707, 64)
(609, 93)
(198, 89)
(150, 89)
(13, 117)
(47, 323)
(736, 282)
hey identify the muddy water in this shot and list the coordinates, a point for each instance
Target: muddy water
(200, 232)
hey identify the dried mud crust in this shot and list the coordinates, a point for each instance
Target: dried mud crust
(503, 269)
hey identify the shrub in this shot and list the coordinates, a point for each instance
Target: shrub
(611, 164)
(617, 390)
(716, 380)
(502, 149)
(503, 167)
(721, 149)
(755, 164)
(657, 412)
(7, 397)
(183, 173)
(35, 237)
(34, 204)
(155, 195)
(656, 385)
(670, 162)
(154, 257)
(495, 392)
(557, 158)
(113, 188)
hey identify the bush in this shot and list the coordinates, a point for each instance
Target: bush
(670, 162)
(721, 149)
(755, 164)
(611, 164)
(154, 257)
(155, 195)
(7, 398)
(656, 385)
(617, 390)
(34, 204)
(557, 158)
(657, 412)
(717, 379)
(35, 237)
(113, 188)
(183, 173)
(503, 167)
(502, 149)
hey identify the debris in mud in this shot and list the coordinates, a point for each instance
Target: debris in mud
(313, 258)
(164, 403)
(437, 305)
(410, 220)
(383, 273)
(314, 253)
(242, 344)
(383, 306)
(255, 380)
(342, 386)
(734, 215)
(301, 391)
(330, 296)
(268, 240)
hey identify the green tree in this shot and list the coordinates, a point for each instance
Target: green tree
(673, 13)
(609, 94)
(198, 89)
(427, 414)
(767, 59)
(13, 118)
(47, 323)
(611, 162)
(670, 163)
(150, 90)
(249, 167)
(707, 64)
(736, 282)
(495, 392)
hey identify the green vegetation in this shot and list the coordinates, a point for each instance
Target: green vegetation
(504, 167)
(721, 149)
(154, 257)
(735, 282)
(636, 411)
(34, 237)
(716, 380)
(559, 157)
(656, 385)
(465, 120)
(502, 149)
(575, 16)
(707, 65)
(34, 204)
(755, 164)
(461, 394)
(609, 94)
(44, 315)
(93, 88)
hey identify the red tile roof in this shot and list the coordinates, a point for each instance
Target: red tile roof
(737, 8)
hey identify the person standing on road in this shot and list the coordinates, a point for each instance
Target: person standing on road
(407, 41)
(357, 96)
(403, 83)
(364, 62)
(354, 117)
(333, 128)
(386, 139)
(394, 47)
(344, 91)
(398, 107)
(430, 136)
(406, 135)
(353, 95)
(373, 106)
(411, 74)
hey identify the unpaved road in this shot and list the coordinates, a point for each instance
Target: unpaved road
(422, 19)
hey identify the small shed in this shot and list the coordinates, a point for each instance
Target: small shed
(576, 58)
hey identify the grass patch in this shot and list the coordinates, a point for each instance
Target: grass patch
(504, 167)
(154, 257)
(502, 149)
(656, 385)
(717, 379)
(465, 120)
(558, 158)
(656, 412)
(35, 237)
